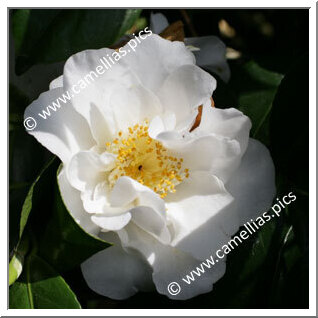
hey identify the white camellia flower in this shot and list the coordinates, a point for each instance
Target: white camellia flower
(136, 173)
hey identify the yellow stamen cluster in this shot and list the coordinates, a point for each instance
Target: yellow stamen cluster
(145, 160)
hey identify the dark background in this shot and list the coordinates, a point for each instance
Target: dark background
(269, 270)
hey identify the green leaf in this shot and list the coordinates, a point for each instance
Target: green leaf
(40, 287)
(37, 186)
(46, 36)
(255, 89)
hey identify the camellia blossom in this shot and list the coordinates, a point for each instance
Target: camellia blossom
(137, 172)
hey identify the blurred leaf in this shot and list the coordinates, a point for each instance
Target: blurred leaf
(17, 103)
(40, 287)
(46, 36)
(19, 27)
(291, 110)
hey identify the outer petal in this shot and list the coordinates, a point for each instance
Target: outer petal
(116, 274)
(211, 55)
(253, 184)
(73, 202)
(65, 132)
(58, 82)
(170, 264)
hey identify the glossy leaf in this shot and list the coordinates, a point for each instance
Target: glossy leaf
(38, 186)
(40, 287)
(256, 91)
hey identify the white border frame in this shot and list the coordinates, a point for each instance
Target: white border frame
(312, 162)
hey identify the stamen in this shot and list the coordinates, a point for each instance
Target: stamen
(146, 160)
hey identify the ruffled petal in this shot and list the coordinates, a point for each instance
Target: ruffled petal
(112, 223)
(73, 202)
(127, 190)
(64, 132)
(87, 168)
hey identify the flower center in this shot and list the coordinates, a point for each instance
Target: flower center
(146, 160)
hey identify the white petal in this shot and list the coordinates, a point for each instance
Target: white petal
(170, 264)
(116, 274)
(112, 223)
(211, 55)
(87, 168)
(95, 200)
(158, 22)
(58, 82)
(92, 101)
(87, 172)
(199, 201)
(133, 105)
(65, 132)
(219, 155)
(152, 222)
(185, 89)
(253, 184)
(228, 122)
(73, 202)
(127, 190)
(160, 56)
